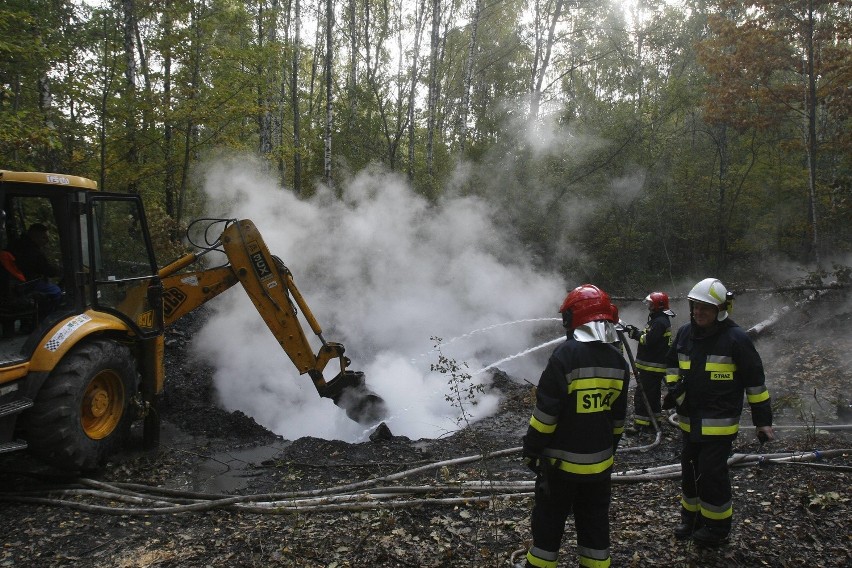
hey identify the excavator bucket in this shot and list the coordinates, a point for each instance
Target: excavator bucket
(269, 284)
(349, 391)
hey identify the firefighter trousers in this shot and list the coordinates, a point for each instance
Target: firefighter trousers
(649, 383)
(555, 499)
(705, 482)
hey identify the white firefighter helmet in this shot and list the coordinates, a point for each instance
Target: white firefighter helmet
(712, 291)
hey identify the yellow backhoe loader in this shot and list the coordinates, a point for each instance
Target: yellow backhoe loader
(81, 353)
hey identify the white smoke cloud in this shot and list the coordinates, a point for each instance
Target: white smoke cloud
(625, 189)
(383, 271)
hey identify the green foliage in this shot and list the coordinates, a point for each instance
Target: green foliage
(628, 174)
(840, 273)
(463, 392)
(776, 66)
(29, 47)
(826, 500)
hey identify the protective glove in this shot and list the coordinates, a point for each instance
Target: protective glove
(765, 434)
(533, 463)
(530, 457)
(632, 332)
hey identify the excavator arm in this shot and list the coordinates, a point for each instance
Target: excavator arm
(270, 285)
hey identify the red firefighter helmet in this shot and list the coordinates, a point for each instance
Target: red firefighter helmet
(657, 301)
(586, 303)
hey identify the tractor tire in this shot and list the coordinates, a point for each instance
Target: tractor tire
(82, 414)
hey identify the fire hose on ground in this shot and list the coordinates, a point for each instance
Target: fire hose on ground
(371, 494)
(658, 433)
(672, 419)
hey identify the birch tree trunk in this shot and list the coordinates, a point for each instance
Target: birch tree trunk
(45, 105)
(811, 144)
(148, 90)
(419, 19)
(329, 53)
(128, 27)
(431, 118)
(168, 150)
(543, 49)
(468, 73)
(196, 44)
(315, 61)
(354, 44)
(724, 181)
(266, 36)
(106, 89)
(294, 97)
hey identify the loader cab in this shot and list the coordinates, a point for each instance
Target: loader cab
(97, 254)
(27, 283)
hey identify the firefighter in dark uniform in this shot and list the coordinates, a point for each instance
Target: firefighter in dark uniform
(578, 420)
(654, 342)
(712, 362)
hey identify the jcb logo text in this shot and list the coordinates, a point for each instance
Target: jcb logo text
(145, 319)
(172, 299)
(258, 261)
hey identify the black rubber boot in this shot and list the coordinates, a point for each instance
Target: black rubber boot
(710, 536)
(689, 524)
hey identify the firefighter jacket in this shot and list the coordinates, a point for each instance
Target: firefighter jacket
(654, 343)
(580, 406)
(712, 369)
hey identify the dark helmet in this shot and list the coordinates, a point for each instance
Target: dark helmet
(657, 301)
(587, 303)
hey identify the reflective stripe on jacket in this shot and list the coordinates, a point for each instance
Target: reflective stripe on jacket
(581, 403)
(712, 372)
(654, 343)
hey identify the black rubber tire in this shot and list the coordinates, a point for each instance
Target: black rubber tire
(82, 413)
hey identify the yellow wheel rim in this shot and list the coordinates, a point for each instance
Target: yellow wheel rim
(103, 405)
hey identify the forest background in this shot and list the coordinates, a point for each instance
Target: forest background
(626, 143)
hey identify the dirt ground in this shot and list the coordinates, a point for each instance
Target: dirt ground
(221, 491)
